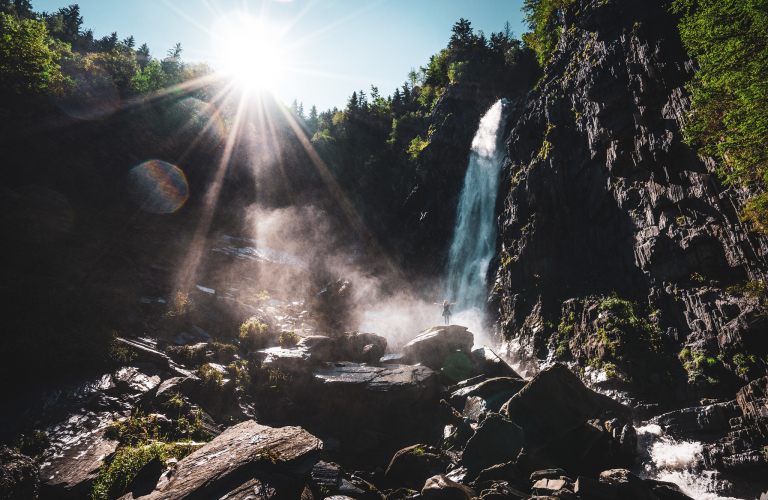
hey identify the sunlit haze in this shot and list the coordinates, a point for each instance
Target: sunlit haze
(317, 52)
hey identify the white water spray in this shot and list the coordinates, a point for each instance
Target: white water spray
(474, 238)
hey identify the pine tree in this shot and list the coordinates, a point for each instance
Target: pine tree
(300, 111)
(142, 55)
(352, 105)
(129, 42)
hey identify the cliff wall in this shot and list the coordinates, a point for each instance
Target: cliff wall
(601, 198)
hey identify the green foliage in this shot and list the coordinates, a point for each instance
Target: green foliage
(114, 475)
(543, 18)
(632, 330)
(180, 305)
(222, 353)
(416, 147)
(755, 289)
(189, 356)
(685, 355)
(28, 67)
(729, 95)
(33, 444)
(288, 339)
(211, 379)
(119, 353)
(254, 334)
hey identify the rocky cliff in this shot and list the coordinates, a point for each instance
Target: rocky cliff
(603, 203)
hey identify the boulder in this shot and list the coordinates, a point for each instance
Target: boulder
(413, 464)
(185, 386)
(245, 458)
(628, 485)
(487, 362)
(502, 472)
(665, 490)
(545, 487)
(554, 403)
(432, 347)
(18, 475)
(547, 474)
(496, 441)
(137, 378)
(70, 473)
(359, 347)
(589, 488)
(495, 392)
(359, 391)
(441, 488)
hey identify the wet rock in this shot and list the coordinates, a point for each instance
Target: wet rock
(433, 346)
(500, 472)
(665, 490)
(441, 488)
(589, 488)
(709, 418)
(554, 403)
(487, 362)
(547, 474)
(628, 485)
(496, 441)
(474, 409)
(358, 347)
(243, 459)
(545, 487)
(137, 378)
(145, 481)
(753, 400)
(325, 475)
(18, 476)
(495, 392)
(396, 359)
(186, 386)
(71, 472)
(359, 391)
(413, 464)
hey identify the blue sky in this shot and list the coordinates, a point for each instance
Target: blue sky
(332, 47)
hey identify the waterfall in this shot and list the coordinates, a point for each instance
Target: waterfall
(474, 237)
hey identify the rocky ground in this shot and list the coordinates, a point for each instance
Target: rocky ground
(285, 405)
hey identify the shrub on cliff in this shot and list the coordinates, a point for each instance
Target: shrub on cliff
(729, 96)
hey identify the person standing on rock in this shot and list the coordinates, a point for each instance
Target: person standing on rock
(447, 310)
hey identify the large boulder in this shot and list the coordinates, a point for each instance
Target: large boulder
(440, 487)
(753, 400)
(495, 392)
(359, 391)
(245, 458)
(71, 472)
(486, 362)
(18, 475)
(554, 403)
(628, 485)
(413, 465)
(496, 441)
(432, 347)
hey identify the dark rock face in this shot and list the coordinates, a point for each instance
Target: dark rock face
(628, 485)
(496, 441)
(432, 347)
(244, 459)
(18, 475)
(555, 403)
(600, 194)
(429, 213)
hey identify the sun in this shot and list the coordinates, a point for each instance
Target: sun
(250, 51)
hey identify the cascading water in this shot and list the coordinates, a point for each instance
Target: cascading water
(474, 237)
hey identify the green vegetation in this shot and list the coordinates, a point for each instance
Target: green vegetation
(543, 18)
(729, 95)
(254, 334)
(629, 329)
(181, 305)
(114, 475)
(288, 339)
(190, 356)
(33, 444)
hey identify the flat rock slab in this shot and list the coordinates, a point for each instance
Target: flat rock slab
(241, 461)
(357, 390)
(71, 473)
(496, 441)
(433, 346)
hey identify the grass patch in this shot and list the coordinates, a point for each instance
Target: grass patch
(189, 356)
(288, 339)
(254, 334)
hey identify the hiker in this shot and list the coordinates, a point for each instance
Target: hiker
(447, 309)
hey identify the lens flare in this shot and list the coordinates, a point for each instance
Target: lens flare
(157, 186)
(95, 97)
